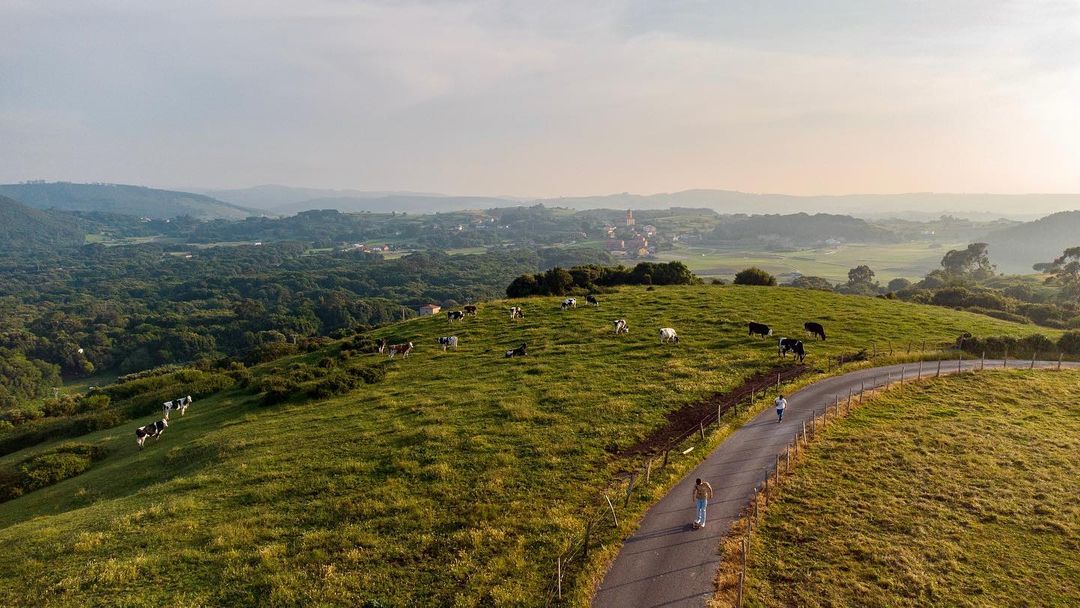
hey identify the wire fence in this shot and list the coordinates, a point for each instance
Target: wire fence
(605, 511)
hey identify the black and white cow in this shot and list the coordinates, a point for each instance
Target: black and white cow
(448, 342)
(516, 312)
(814, 329)
(569, 303)
(668, 334)
(154, 429)
(455, 315)
(176, 404)
(792, 345)
(401, 349)
(517, 352)
(383, 345)
(470, 309)
(759, 329)
(591, 299)
(621, 327)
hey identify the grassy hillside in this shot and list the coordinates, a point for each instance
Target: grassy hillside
(454, 481)
(23, 228)
(123, 200)
(957, 492)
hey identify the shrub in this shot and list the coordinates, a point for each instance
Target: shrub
(754, 276)
(94, 403)
(1069, 343)
(818, 283)
(338, 383)
(277, 390)
(64, 462)
(370, 374)
(899, 284)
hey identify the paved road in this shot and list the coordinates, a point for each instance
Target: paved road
(666, 562)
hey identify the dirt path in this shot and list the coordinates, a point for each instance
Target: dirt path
(668, 563)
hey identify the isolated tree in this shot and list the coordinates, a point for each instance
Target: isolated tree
(1065, 272)
(972, 262)
(860, 276)
(754, 276)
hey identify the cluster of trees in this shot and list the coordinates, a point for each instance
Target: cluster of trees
(800, 229)
(968, 280)
(593, 278)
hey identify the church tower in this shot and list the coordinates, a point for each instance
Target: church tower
(629, 217)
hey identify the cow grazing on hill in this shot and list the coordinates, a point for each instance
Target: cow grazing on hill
(517, 352)
(455, 315)
(814, 329)
(791, 345)
(621, 327)
(668, 334)
(176, 404)
(448, 342)
(759, 329)
(154, 429)
(591, 299)
(401, 349)
(516, 312)
(470, 310)
(569, 303)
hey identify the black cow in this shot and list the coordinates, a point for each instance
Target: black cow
(455, 315)
(154, 429)
(793, 346)
(517, 352)
(814, 329)
(759, 329)
(591, 299)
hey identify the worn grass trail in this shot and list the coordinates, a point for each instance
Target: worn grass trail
(455, 481)
(961, 491)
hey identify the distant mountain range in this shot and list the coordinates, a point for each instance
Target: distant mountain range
(1016, 249)
(25, 229)
(287, 200)
(123, 200)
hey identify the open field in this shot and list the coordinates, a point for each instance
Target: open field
(907, 260)
(960, 491)
(455, 481)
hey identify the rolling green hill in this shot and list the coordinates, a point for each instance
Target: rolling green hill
(456, 480)
(1017, 248)
(123, 200)
(23, 228)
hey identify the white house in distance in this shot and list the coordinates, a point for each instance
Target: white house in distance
(429, 309)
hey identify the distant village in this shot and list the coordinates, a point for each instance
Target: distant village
(636, 245)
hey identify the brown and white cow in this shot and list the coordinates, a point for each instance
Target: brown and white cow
(621, 327)
(401, 349)
(470, 310)
(516, 312)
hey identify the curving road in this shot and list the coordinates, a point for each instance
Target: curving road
(666, 562)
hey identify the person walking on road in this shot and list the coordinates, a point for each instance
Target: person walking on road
(702, 495)
(781, 405)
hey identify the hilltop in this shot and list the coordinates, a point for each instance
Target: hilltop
(123, 200)
(23, 228)
(454, 480)
(1017, 248)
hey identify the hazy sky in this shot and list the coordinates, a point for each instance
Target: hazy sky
(545, 98)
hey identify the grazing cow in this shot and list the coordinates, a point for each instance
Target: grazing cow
(154, 429)
(793, 346)
(517, 352)
(470, 310)
(448, 342)
(569, 303)
(814, 329)
(759, 329)
(176, 404)
(455, 315)
(401, 349)
(668, 335)
(516, 312)
(621, 327)
(591, 299)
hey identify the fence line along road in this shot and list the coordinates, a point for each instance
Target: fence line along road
(666, 562)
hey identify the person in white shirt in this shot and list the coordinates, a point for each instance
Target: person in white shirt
(781, 405)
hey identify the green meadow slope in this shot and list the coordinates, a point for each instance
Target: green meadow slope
(960, 491)
(454, 481)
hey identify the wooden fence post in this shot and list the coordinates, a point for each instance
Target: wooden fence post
(1059, 362)
(648, 471)
(614, 517)
(804, 432)
(558, 564)
(1005, 361)
(666, 454)
(902, 370)
(960, 362)
(701, 427)
(629, 490)
(742, 573)
(920, 369)
(982, 362)
(909, 347)
(1033, 355)
(718, 412)
(778, 381)
(938, 369)
(776, 474)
